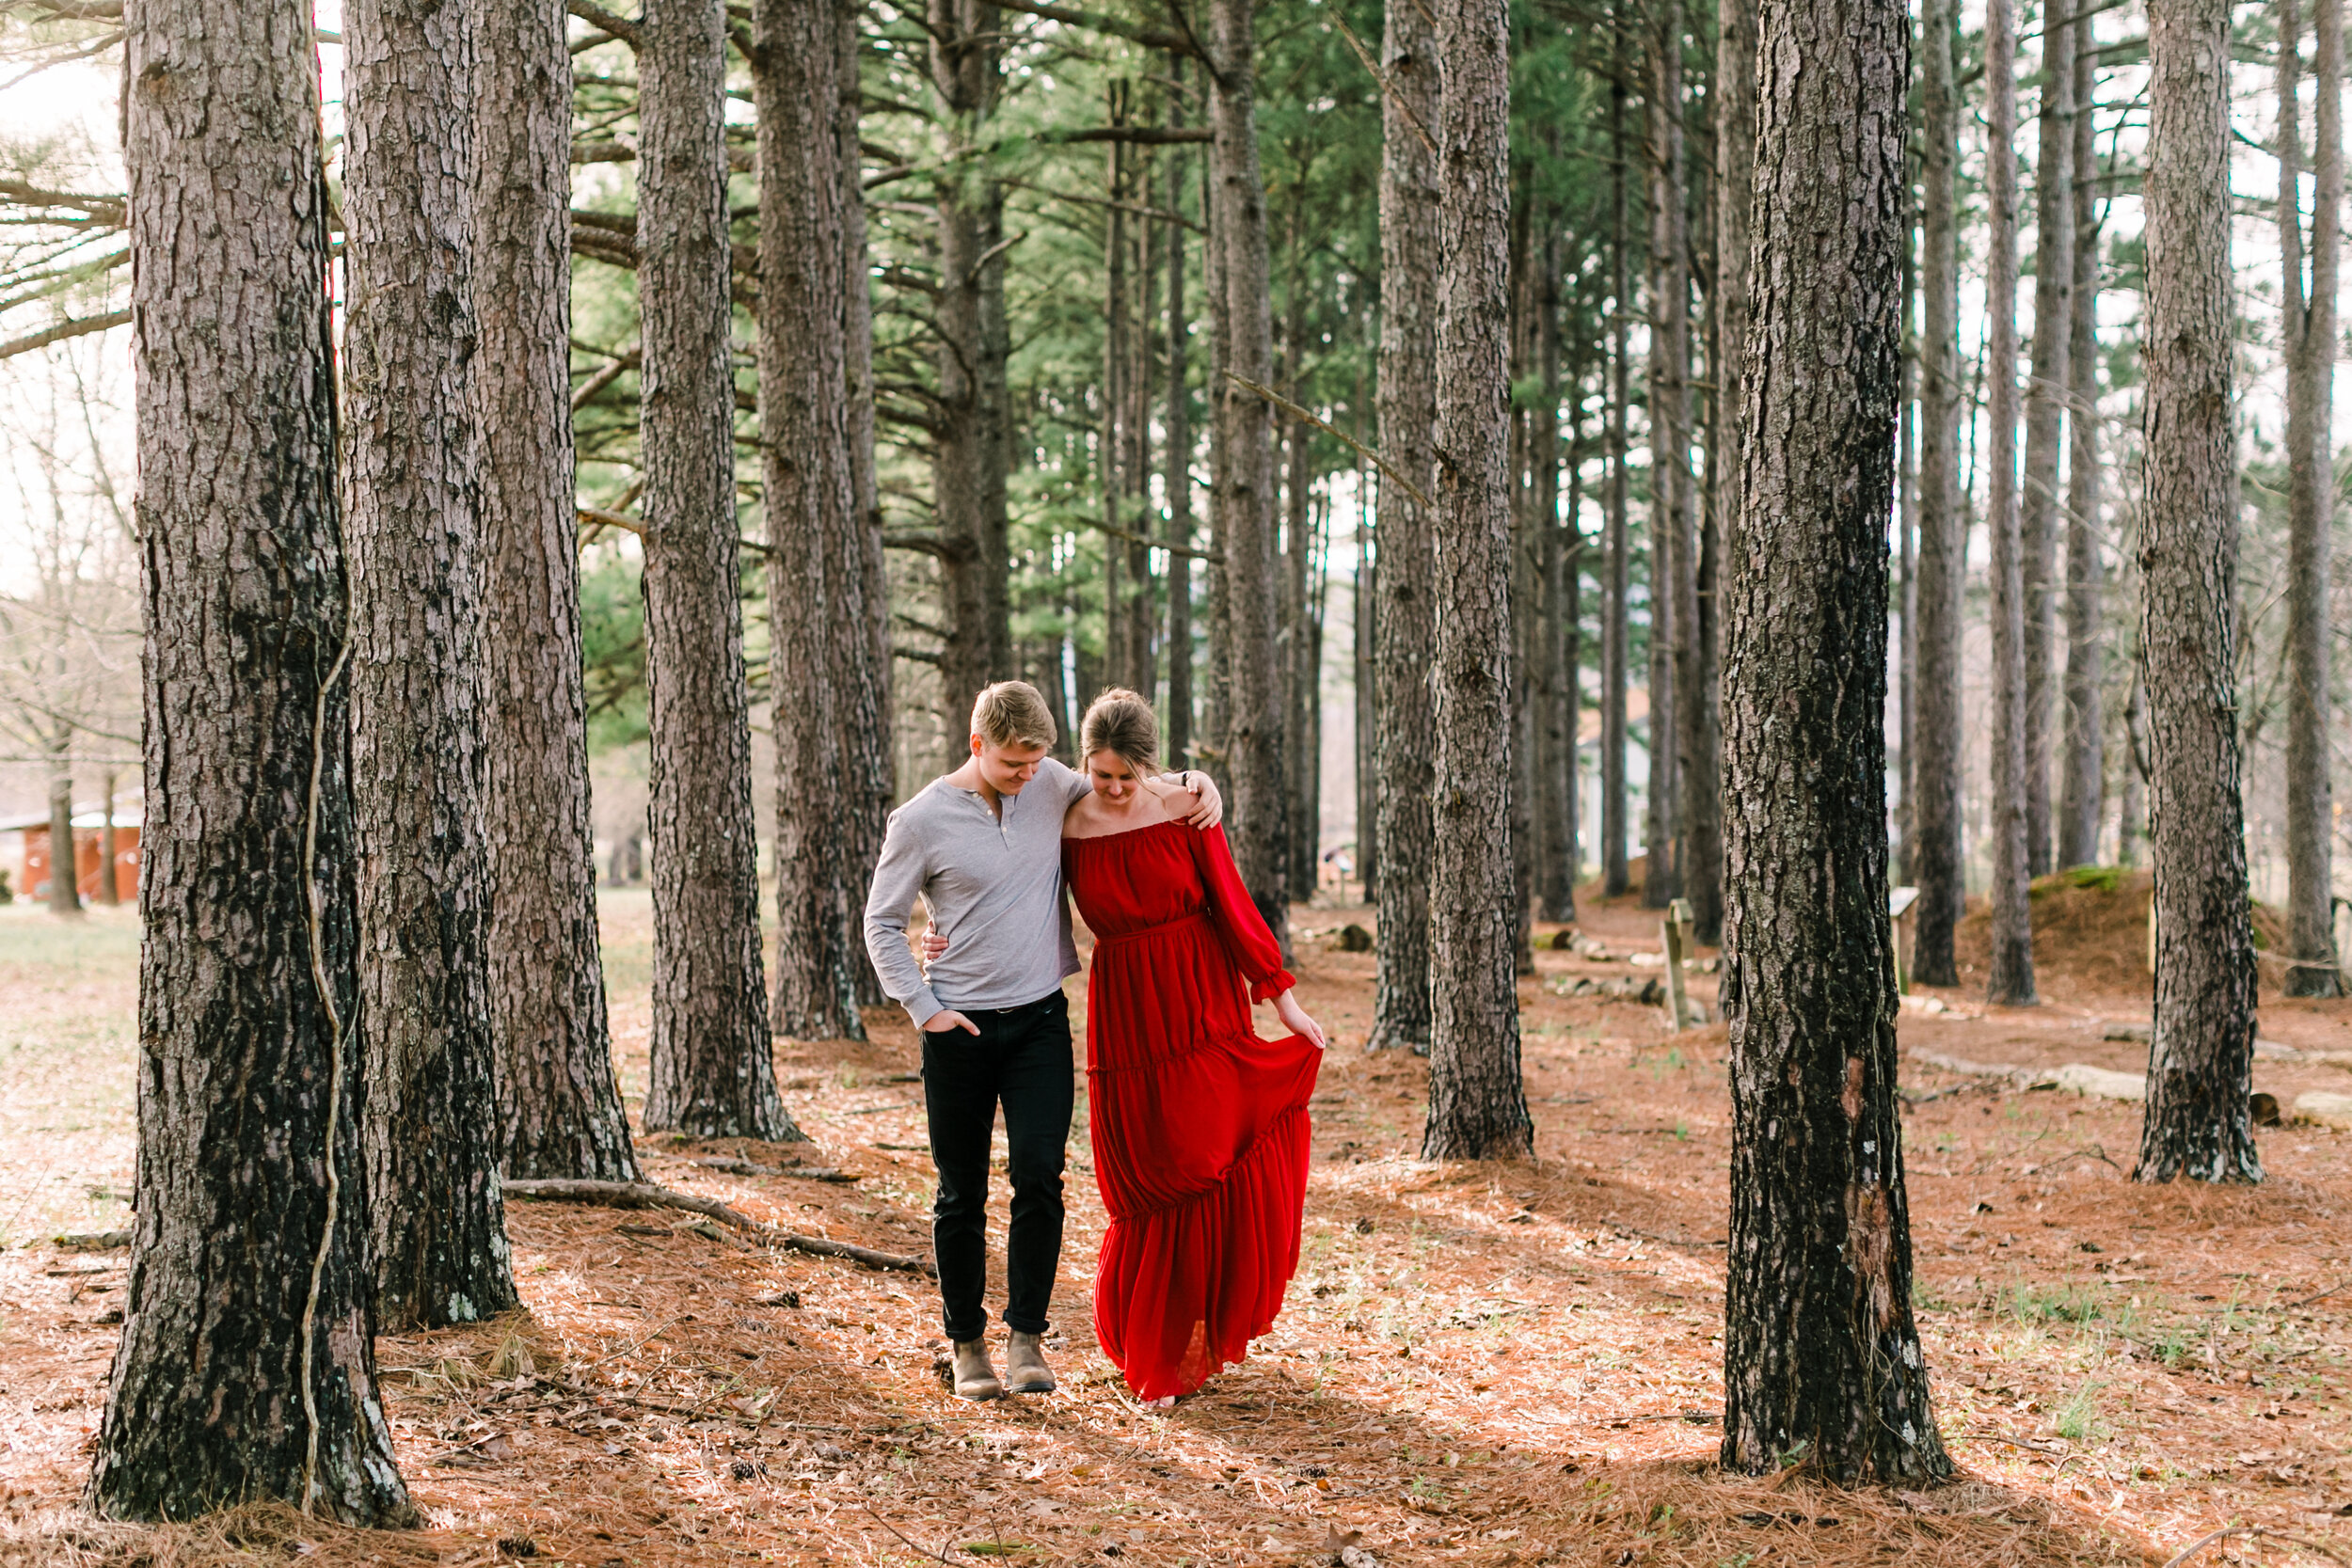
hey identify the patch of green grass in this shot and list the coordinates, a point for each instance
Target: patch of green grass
(2077, 1420)
(2054, 1303)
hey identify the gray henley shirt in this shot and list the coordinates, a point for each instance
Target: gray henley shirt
(992, 885)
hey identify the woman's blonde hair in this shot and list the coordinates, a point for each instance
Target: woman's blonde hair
(1122, 724)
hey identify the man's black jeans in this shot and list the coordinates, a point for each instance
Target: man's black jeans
(1022, 1057)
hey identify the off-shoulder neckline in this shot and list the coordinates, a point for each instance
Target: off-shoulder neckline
(1129, 832)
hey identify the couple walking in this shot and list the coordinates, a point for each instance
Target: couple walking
(1199, 1127)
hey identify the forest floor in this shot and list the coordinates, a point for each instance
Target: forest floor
(1487, 1364)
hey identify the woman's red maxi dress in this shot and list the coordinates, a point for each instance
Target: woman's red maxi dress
(1200, 1127)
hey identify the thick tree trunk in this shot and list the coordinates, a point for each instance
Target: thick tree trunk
(969, 450)
(1179, 461)
(2083, 763)
(413, 496)
(1616, 875)
(815, 579)
(1734, 87)
(245, 1368)
(65, 888)
(1936, 865)
(2201, 1058)
(2012, 978)
(2053, 331)
(713, 1073)
(1405, 608)
(1366, 631)
(1821, 1355)
(1245, 496)
(558, 1103)
(2311, 332)
(1669, 453)
(868, 716)
(1477, 1101)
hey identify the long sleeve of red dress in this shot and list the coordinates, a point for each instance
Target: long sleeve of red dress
(1248, 939)
(1199, 1126)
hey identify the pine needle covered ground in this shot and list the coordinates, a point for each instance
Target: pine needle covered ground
(1492, 1365)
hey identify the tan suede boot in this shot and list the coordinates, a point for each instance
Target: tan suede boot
(976, 1380)
(1026, 1372)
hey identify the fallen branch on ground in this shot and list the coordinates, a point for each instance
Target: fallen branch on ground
(644, 1195)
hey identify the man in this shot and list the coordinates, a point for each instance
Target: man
(982, 848)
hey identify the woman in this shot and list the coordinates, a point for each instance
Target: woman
(1200, 1127)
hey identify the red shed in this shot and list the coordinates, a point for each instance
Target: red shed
(87, 852)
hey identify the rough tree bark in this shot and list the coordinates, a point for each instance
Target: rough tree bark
(809, 488)
(245, 1368)
(413, 494)
(2310, 331)
(1301, 642)
(1669, 453)
(558, 1103)
(2045, 407)
(713, 1070)
(1821, 1355)
(2202, 1052)
(109, 889)
(1477, 1101)
(2011, 980)
(1734, 91)
(1616, 875)
(1404, 609)
(1245, 496)
(970, 454)
(1937, 865)
(2083, 764)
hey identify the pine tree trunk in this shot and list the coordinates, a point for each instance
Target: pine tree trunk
(1179, 460)
(1518, 500)
(2053, 331)
(1110, 443)
(1257, 819)
(2012, 978)
(2310, 331)
(969, 450)
(713, 1073)
(1298, 643)
(866, 710)
(1936, 865)
(2200, 1059)
(1734, 87)
(1404, 610)
(558, 1103)
(1477, 1101)
(412, 507)
(1670, 450)
(1554, 631)
(2083, 765)
(1616, 875)
(1821, 1355)
(245, 1368)
(815, 587)
(1361, 609)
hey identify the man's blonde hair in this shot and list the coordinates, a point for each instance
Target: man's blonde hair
(1012, 713)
